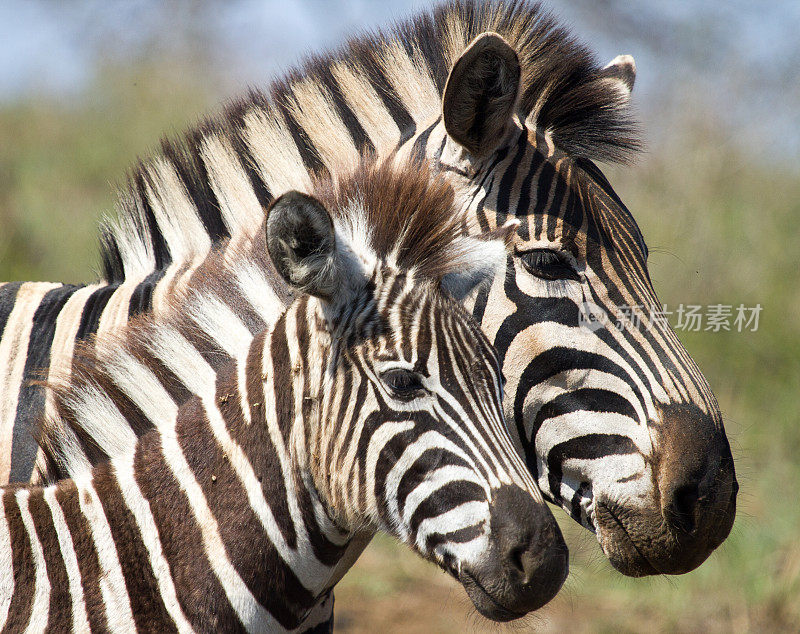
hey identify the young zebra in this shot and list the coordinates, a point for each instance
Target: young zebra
(374, 403)
(618, 425)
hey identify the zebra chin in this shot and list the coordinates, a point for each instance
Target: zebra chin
(516, 567)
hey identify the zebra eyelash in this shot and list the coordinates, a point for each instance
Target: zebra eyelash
(402, 383)
(548, 264)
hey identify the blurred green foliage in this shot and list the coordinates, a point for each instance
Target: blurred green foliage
(721, 228)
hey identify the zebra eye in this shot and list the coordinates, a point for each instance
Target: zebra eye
(548, 265)
(402, 383)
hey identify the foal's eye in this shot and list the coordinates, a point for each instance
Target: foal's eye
(402, 383)
(548, 265)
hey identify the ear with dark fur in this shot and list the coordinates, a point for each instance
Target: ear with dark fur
(481, 94)
(302, 244)
(621, 70)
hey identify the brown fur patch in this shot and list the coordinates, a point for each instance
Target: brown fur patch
(410, 211)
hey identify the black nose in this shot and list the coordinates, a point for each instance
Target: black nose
(529, 560)
(696, 477)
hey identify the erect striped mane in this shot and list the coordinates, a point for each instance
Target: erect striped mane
(402, 216)
(370, 95)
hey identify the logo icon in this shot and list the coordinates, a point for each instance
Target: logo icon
(592, 316)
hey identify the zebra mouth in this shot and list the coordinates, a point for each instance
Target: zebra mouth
(619, 546)
(484, 602)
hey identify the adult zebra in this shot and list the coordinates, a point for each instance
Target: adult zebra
(374, 403)
(619, 427)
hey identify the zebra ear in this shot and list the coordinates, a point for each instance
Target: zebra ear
(484, 256)
(481, 94)
(622, 71)
(302, 244)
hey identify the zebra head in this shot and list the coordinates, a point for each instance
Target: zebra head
(403, 397)
(617, 424)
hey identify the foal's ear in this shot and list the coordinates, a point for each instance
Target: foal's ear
(302, 244)
(484, 257)
(481, 94)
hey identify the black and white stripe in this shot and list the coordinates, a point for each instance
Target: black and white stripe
(377, 408)
(597, 413)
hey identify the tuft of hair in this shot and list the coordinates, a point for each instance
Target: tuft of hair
(366, 96)
(405, 215)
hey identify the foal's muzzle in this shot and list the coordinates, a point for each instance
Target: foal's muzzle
(526, 562)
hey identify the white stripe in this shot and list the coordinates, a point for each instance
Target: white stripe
(238, 204)
(434, 481)
(139, 383)
(275, 152)
(6, 564)
(428, 440)
(220, 323)
(259, 292)
(182, 358)
(377, 442)
(176, 215)
(80, 622)
(367, 106)
(314, 112)
(116, 602)
(412, 82)
(140, 509)
(115, 313)
(41, 594)
(463, 516)
(97, 414)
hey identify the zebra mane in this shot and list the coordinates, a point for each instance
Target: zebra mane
(401, 215)
(368, 96)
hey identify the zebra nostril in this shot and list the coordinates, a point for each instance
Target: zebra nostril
(682, 509)
(515, 557)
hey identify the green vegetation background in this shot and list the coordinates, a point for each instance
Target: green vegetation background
(722, 227)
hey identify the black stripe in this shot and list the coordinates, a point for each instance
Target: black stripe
(420, 143)
(86, 553)
(8, 297)
(31, 397)
(191, 170)
(247, 544)
(305, 147)
(588, 447)
(576, 511)
(246, 161)
(147, 605)
(368, 60)
(163, 258)
(199, 592)
(93, 310)
(21, 606)
(60, 610)
(360, 137)
(142, 297)
(543, 367)
(430, 459)
(583, 399)
(459, 536)
(445, 499)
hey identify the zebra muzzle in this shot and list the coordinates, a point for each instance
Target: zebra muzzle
(526, 561)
